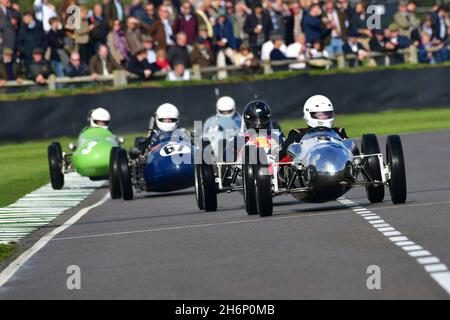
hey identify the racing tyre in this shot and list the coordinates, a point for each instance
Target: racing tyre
(248, 180)
(208, 187)
(263, 186)
(55, 165)
(125, 176)
(114, 175)
(369, 145)
(198, 189)
(396, 162)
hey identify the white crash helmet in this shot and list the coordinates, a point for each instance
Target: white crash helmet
(226, 107)
(99, 118)
(318, 111)
(167, 116)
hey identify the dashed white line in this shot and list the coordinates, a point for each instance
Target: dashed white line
(438, 271)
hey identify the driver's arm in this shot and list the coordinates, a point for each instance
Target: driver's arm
(295, 135)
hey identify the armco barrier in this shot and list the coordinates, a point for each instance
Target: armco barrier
(131, 108)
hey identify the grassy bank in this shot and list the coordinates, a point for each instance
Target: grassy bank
(6, 250)
(24, 167)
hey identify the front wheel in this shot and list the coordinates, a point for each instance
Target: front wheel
(208, 189)
(263, 187)
(114, 174)
(198, 188)
(396, 162)
(369, 145)
(55, 162)
(126, 185)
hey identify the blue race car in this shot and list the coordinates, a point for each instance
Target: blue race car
(167, 166)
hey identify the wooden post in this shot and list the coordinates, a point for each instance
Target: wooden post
(267, 67)
(340, 60)
(51, 81)
(120, 78)
(196, 72)
(413, 56)
(387, 60)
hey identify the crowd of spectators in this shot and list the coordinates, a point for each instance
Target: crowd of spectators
(146, 36)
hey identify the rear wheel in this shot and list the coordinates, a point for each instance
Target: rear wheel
(263, 186)
(114, 175)
(125, 176)
(369, 145)
(396, 162)
(55, 162)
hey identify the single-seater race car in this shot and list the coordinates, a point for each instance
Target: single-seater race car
(89, 157)
(226, 170)
(167, 166)
(323, 168)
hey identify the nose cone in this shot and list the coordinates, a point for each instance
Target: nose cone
(329, 165)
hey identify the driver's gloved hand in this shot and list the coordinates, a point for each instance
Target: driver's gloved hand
(135, 153)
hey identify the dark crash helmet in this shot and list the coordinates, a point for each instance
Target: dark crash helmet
(257, 115)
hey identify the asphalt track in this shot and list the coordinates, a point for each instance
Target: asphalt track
(159, 246)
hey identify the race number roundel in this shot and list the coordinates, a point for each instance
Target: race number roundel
(173, 149)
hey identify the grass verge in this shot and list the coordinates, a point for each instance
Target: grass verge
(24, 166)
(6, 250)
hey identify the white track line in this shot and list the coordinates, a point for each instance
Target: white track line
(11, 269)
(432, 265)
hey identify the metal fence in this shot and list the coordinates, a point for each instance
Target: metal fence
(121, 78)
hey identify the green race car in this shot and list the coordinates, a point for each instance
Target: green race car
(89, 158)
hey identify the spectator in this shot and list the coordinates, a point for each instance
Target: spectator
(30, 36)
(55, 39)
(406, 19)
(179, 53)
(258, 26)
(7, 30)
(161, 30)
(339, 24)
(39, 69)
(140, 66)
(313, 26)
(223, 31)
(113, 10)
(297, 50)
(137, 10)
(43, 12)
(202, 55)
(133, 35)
(277, 54)
(179, 73)
(353, 46)
(345, 9)
(117, 43)
(76, 67)
(101, 28)
(240, 15)
(440, 26)
(278, 21)
(187, 22)
(359, 25)
(268, 46)
(149, 17)
(245, 58)
(396, 42)
(102, 64)
(317, 52)
(162, 62)
(378, 44)
(427, 56)
(82, 39)
(9, 69)
(148, 45)
(294, 23)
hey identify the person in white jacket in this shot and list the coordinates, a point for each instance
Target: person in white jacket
(44, 11)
